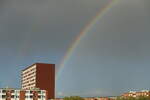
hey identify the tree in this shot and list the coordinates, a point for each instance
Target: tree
(73, 98)
(134, 98)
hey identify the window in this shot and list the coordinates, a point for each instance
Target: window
(31, 91)
(12, 96)
(39, 91)
(3, 96)
(39, 96)
(4, 91)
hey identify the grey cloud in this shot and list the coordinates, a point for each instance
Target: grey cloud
(114, 54)
(48, 23)
(35, 30)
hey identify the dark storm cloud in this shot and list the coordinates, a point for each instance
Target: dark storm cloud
(46, 23)
(114, 55)
(48, 19)
(39, 31)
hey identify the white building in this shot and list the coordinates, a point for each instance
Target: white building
(17, 94)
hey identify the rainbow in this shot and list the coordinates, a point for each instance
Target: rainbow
(83, 32)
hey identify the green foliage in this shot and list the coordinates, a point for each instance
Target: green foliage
(73, 98)
(132, 98)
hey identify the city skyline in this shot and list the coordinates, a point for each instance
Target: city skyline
(100, 47)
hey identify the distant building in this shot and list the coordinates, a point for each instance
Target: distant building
(143, 93)
(130, 94)
(137, 93)
(17, 94)
(40, 75)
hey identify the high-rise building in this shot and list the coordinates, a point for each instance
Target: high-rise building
(17, 94)
(40, 75)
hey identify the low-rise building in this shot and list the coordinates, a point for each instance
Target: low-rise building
(137, 93)
(143, 93)
(17, 94)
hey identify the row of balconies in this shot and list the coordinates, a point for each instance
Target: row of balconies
(28, 86)
(29, 75)
(33, 68)
(28, 81)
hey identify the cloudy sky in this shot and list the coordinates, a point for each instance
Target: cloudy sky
(113, 57)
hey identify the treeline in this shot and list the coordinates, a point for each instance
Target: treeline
(133, 98)
(73, 98)
(118, 98)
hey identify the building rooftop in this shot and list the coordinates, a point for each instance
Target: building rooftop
(35, 89)
(35, 64)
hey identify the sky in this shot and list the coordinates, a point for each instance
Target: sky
(112, 57)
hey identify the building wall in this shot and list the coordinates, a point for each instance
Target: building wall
(12, 94)
(28, 77)
(45, 78)
(22, 95)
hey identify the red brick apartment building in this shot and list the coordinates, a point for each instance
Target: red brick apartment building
(17, 94)
(137, 94)
(39, 75)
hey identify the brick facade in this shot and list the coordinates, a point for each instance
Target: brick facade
(40, 75)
